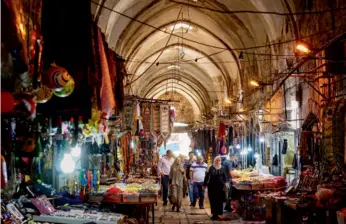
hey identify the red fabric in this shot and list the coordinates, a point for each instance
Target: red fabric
(222, 130)
(7, 102)
(106, 92)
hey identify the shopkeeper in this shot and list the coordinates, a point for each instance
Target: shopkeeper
(228, 164)
(164, 168)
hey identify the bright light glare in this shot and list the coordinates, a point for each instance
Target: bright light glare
(67, 164)
(173, 66)
(254, 83)
(294, 105)
(179, 124)
(261, 139)
(256, 155)
(244, 152)
(303, 48)
(249, 149)
(237, 146)
(75, 152)
(181, 25)
(198, 153)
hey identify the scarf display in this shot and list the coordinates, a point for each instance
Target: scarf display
(155, 121)
(146, 111)
(165, 121)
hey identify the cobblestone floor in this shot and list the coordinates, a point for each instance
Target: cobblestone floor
(190, 215)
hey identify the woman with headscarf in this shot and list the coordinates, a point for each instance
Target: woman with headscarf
(176, 181)
(215, 180)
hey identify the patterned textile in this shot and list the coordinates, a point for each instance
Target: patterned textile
(106, 92)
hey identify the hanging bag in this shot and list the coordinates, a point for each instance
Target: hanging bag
(275, 159)
(284, 147)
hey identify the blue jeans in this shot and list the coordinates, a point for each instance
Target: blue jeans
(190, 191)
(198, 192)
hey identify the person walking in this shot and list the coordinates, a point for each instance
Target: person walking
(197, 175)
(164, 168)
(176, 183)
(215, 180)
(187, 167)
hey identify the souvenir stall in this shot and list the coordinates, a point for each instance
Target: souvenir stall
(62, 137)
(317, 195)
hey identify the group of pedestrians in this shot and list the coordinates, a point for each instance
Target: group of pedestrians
(217, 178)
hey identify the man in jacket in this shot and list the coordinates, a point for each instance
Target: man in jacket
(164, 167)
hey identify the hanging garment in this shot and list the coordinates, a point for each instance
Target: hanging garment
(230, 135)
(119, 84)
(213, 144)
(106, 92)
(295, 162)
(284, 147)
(222, 131)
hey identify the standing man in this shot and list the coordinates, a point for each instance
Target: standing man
(164, 168)
(228, 166)
(187, 167)
(197, 174)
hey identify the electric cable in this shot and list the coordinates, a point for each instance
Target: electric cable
(259, 12)
(169, 38)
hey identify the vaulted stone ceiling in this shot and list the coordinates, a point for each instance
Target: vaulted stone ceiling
(199, 34)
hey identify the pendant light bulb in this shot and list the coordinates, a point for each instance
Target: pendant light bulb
(67, 164)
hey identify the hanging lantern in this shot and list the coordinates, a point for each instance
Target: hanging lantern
(57, 78)
(66, 91)
(43, 94)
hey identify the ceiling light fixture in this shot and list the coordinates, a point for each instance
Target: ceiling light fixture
(173, 67)
(304, 47)
(181, 26)
(254, 83)
(228, 101)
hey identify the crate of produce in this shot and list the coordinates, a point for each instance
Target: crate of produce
(148, 198)
(113, 195)
(130, 198)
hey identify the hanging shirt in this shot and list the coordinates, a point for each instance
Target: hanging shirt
(198, 171)
(165, 164)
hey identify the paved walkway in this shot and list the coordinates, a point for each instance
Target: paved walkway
(190, 215)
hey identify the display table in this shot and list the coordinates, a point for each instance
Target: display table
(245, 202)
(80, 217)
